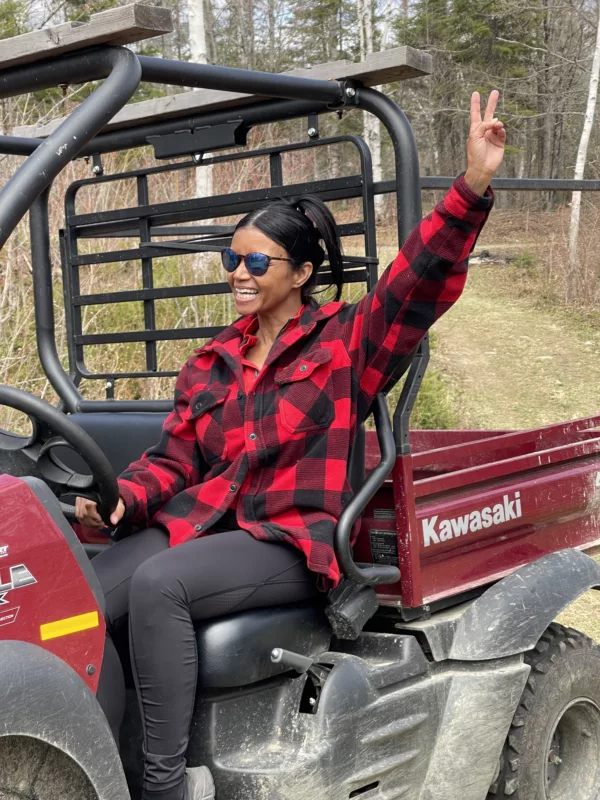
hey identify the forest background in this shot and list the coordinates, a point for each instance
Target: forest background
(504, 358)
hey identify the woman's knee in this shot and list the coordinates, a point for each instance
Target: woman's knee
(152, 584)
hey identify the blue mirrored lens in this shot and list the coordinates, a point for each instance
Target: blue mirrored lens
(230, 259)
(257, 263)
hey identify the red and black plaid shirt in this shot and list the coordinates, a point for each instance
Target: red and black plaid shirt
(279, 452)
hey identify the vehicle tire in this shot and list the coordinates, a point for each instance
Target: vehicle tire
(553, 747)
(33, 770)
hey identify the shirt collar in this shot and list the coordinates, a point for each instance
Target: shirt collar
(245, 327)
(249, 339)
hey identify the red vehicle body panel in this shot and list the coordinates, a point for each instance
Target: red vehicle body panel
(41, 584)
(466, 508)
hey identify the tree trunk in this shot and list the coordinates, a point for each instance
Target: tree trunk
(244, 10)
(199, 54)
(372, 129)
(574, 275)
(209, 25)
(271, 35)
(198, 49)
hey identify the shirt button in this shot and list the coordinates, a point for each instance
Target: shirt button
(303, 368)
(240, 395)
(233, 487)
(253, 436)
(198, 527)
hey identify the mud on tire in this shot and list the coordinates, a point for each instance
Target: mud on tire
(553, 747)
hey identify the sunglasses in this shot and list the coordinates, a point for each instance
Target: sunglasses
(256, 263)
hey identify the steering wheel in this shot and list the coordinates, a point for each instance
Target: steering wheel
(52, 429)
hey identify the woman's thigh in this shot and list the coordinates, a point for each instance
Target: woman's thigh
(116, 565)
(224, 573)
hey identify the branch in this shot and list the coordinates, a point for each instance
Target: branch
(540, 50)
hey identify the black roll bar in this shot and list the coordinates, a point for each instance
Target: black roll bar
(44, 307)
(371, 574)
(128, 138)
(406, 157)
(122, 71)
(408, 194)
(232, 79)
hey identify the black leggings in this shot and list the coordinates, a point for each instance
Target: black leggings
(163, 590)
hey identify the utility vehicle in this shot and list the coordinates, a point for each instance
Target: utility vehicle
(435, 671)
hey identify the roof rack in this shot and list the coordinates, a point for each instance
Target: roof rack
(387, 66)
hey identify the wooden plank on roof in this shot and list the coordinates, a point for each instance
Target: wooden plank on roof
(388, 66)
(117, 26)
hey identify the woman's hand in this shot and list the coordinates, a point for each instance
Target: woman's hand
(485, 146)
(87, 514)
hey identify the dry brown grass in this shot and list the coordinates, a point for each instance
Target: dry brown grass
(584, 615)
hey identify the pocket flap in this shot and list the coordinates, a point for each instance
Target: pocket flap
(304, 366)
(205, 399)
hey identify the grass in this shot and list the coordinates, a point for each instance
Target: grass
(584, 614)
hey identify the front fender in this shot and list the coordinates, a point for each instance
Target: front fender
(510, 617)
(42, 697)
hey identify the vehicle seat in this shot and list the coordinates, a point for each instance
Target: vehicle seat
(122, 437)
(236, 650)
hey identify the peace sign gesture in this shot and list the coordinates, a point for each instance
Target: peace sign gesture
(485, 146)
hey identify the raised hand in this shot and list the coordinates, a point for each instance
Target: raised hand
(485, 145)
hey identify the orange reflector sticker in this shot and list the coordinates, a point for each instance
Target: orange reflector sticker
(64, 627)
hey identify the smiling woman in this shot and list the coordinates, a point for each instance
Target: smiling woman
(240, 498)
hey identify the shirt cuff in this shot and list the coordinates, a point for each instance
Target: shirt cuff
(475, 201)
(130, 500)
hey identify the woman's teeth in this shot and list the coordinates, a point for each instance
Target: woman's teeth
(246, 295)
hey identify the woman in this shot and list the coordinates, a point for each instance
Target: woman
(256, 449)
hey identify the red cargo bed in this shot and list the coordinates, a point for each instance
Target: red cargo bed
(466, 508)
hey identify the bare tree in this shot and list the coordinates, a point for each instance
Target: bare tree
(574, 271)
(199, 54)
(372, 126)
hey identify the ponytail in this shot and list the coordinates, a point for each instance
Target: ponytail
(324, 223)
(299, 227)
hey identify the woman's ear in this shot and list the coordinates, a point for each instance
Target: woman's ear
(302, 274)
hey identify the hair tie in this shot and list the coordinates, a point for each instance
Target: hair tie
(299, 208)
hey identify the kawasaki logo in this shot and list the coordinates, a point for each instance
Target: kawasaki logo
(435, 532)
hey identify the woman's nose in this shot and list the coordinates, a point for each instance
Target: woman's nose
(240, 271)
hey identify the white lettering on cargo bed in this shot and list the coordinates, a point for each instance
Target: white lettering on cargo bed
(437, 530)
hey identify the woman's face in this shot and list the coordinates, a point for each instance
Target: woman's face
(277, 289)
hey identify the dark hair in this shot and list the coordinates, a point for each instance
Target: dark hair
(299, 226)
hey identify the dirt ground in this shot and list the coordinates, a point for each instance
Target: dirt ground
(512, 364)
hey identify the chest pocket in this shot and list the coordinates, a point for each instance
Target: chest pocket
(305, 401)
(206, 413)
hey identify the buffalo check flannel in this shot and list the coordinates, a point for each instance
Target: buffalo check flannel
(278, 454)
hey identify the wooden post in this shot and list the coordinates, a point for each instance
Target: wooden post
(117, 26)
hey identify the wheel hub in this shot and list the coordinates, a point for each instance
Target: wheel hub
(572, 757)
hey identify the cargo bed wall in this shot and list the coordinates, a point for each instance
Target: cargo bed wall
(465, 526)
